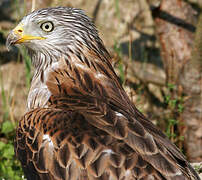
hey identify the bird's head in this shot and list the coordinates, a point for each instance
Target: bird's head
(55, 30)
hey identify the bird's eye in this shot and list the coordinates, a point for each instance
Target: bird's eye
(47, 26)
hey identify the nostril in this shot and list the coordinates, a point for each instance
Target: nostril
(19, 30)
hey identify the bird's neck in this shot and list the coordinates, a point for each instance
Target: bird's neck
(41, 61)
(39, 93)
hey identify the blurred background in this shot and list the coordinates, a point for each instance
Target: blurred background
(156, 47)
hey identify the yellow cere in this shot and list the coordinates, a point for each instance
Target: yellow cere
(24, 37)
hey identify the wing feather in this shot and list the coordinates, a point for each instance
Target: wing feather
(67, 150)
(99, 97)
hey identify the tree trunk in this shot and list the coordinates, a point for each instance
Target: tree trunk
(191, 81)
(174, 21)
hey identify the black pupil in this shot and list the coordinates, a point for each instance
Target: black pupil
(46, 26)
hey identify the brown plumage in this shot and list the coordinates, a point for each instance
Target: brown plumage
(80, 124)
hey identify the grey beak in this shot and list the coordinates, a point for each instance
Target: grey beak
(11, 39)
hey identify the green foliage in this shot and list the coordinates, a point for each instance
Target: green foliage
(169, 131)
(9, 166)
(121, 70)
(120, 64)
(175, 105)
(7, 127)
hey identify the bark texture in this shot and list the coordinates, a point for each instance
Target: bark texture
(175, 29)
(191, 81)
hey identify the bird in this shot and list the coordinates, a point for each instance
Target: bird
(79, 123)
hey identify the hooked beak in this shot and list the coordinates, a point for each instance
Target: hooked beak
(17, 36)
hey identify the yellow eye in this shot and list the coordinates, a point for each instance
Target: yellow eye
(47, 26)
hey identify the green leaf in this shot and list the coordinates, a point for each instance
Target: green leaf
(173, 103)
(180, 108)
(7, 127)
(8, 152)
(167, 98)
(171, 86)
(2, 145)
(173, 121)
(181, 138)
